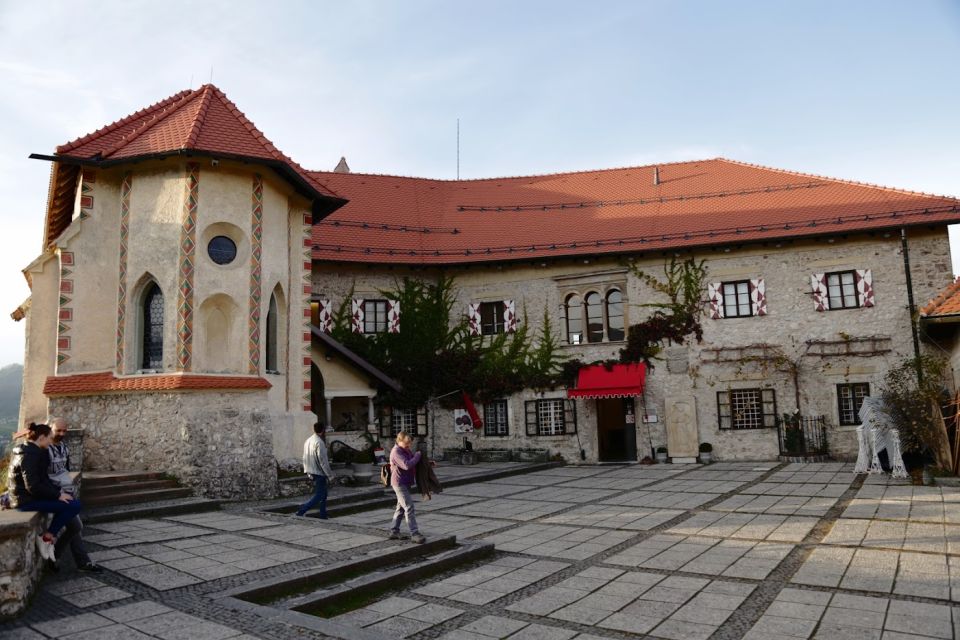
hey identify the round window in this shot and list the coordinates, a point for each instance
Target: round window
(222, 250)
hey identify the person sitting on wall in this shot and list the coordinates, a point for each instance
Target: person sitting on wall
(317, 465)
(59, 472)
(32, 489)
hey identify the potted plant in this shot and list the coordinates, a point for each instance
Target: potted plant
(661, 454)
(706, 452)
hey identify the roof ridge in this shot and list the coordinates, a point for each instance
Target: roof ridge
(199, 118)
(855, 183)
(157, 118)
(520, 177)
(73, 144)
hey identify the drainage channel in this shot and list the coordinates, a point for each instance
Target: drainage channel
(309, 598)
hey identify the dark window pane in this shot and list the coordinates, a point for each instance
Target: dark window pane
(272, 335)
(222, 250)
(614, 315)
(153, 328)
(491, 318)
(574, 320)
(594, 317)
(374, 316)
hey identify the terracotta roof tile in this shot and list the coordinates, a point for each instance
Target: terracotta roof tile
(946, 303)
(700, 203)
(107, 382)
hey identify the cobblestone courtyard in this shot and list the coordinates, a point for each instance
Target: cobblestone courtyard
(762, 551)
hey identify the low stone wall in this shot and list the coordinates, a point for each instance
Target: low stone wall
(218, 444)
(20, 562)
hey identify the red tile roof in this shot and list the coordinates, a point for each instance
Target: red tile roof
(98, 383)
(700, 203)
(947, 302)
(202, 121)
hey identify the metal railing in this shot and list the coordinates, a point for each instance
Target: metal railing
(802, 435)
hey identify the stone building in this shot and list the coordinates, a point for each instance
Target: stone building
(180, 303)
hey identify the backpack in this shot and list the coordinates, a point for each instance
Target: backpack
(385, 475)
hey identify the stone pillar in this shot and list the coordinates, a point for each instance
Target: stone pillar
(328, 411)
(371, 414)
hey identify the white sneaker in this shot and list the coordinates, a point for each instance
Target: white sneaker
(46, 549)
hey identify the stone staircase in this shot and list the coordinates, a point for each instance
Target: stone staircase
(114, 488)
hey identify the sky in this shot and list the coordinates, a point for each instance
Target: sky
(862, 90)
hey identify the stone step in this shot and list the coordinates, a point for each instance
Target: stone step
(136, 497)
(98, 490)
(108, 478)
(154, 509)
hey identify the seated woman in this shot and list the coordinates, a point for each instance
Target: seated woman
(32, 489)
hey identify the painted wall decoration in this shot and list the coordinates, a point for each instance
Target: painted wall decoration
(187, 269)
(65, 317)
(125, 185)
(256, 272)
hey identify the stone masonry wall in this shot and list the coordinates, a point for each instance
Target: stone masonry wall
(790, 323)
(218, 444)
(20, 562)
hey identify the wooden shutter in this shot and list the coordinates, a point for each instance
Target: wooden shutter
(473, 318)
(509, 316)
(324, 315)
(393, 316)
(864, 282)
(758, 297)
(818, 284)
(715, 298)
(357, 318)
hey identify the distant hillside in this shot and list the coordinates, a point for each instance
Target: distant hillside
(11, 381)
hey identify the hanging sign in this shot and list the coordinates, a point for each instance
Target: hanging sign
(462, 422)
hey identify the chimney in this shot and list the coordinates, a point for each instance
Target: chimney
(656, 176)
(342, 166)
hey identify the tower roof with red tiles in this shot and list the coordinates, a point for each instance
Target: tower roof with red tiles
(199, 122)
(945, 304)
(663, 207)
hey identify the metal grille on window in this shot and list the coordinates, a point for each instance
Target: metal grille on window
(153, 328)
(736, 299)
(550, 417)
(842, 290)
(404, 420)
(850, 399)
(747, 408)
(374, 316)
(495, 418)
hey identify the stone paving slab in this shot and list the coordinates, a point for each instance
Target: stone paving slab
(694, 485)
(556, 541)
(316, 536)
(606, 481)
(902, 535)
(571, 495)
(939, 505)
(639, 602)
(615, 517)
(828, 616)
(500, 628)
(433, 525)
(511, 509)
(711, 556)
(486, 490)
(493, 580)
(660, 499)
(928, 575)
(118, 534)
(398, 617)
(785, 505)
(746, 526)
(224, 521)
(809, 489)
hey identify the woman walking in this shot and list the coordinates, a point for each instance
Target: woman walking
(403, 462)
(32, 489)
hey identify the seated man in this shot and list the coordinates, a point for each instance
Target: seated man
(59, 473)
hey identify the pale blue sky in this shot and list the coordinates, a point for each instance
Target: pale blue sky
(860, 90)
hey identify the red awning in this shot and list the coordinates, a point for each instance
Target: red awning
(618, 381)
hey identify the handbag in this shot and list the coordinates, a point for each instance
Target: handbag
(385, 475)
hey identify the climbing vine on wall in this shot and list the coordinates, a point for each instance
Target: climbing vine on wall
(673, 321)
(434, 353)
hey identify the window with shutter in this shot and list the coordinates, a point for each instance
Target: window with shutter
(864, 281)
(510, 316)
(393, 316)
(473, 318)
(551, 417)
(492, 318)
(324, 315)
(758, 297)
(373, 318)
(747, 408)
(736, 299)
(715, 299)
(842, 290)
(356, 315)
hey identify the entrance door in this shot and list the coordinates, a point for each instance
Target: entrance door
(616, 439)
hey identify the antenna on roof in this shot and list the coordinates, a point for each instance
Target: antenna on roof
(458, 148)
(211, 74)
(656, 176)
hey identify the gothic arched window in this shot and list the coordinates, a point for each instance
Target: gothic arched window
(152, 328)
(272, 322)
(614, 315)
(594, 317)
(574, 310)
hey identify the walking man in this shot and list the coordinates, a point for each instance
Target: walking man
(317, 466)
(403, 463)
(59, 472)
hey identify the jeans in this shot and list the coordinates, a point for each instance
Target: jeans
(73, 536)
(319, 497)
(63, 512)
(404, 509)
